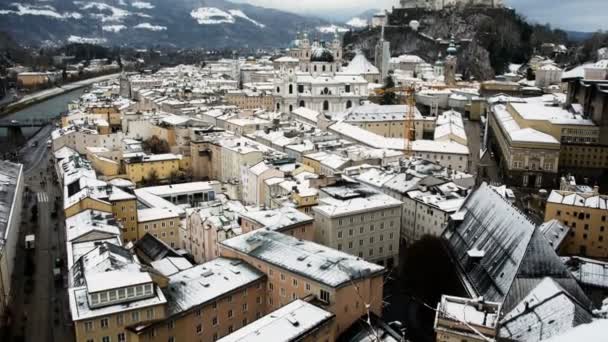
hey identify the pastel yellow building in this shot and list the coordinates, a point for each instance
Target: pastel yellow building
(208, 301)
(160, 166)
(586, 214)
(160, 222)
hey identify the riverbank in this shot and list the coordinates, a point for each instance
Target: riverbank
(43, 95)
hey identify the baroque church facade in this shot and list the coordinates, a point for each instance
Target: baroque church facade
(312, 76)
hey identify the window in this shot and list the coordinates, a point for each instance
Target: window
(291, 88)
(295, 282)
(199, 329)
(258, 300)
(135, 316)
(282, 277)
(121, 337)
(245, 307)
(88, 326)
(197, 312)
(214, 321)
(229, 299)
(307, 287)
(324, 295)
(325, 105)
(120, 320)
(105, 339)
(103, 323)
(282, 292)
(171, 324)
(245, 321)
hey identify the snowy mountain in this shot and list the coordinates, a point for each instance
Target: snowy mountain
(141, 23)
(362, 20)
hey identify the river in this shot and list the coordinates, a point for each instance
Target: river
(50, 108)
(46, 109)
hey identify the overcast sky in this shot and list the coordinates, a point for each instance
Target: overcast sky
(579, 15)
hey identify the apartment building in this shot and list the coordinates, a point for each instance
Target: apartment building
(250, 99)
(109, 292)
(586, 214)
(347, 286)
(207, 302)
(296, 321)
(388, 120)
(359, 221)
(286, 220)
(10, 220)
(162, 223)
(466, 320)
(427, 209)
(252, 180)
(208, 225)
(155, 166)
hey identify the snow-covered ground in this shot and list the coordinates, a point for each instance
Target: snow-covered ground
(357, 22)
(142, 5)
(332, 29)
(114, 28)
(40, 10)
(148, 26)
(115, 14)
(84, 40)
(213, 16)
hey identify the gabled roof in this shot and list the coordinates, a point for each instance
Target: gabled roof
(516, 257)
(151, 248)
(548, 310)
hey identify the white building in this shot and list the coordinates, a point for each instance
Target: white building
(318, 82)
(359, 221)
(11, 176)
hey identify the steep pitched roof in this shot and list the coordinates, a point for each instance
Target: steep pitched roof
(500, 254)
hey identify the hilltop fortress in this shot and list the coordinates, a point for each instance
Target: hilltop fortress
(438, 5)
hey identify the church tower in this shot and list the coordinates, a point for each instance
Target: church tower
(450, 64)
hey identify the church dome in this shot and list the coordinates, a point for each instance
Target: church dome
(321, 54)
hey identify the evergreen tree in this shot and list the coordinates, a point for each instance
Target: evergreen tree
(389, 97)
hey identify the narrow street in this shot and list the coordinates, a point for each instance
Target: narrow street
(40, 304)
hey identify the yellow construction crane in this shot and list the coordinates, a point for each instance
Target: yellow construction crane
(409, 131)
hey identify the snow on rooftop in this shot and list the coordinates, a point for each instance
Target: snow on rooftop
(171, 265)
(518, 134)
(80, 309)
(278, 219)
(322, 264)
(586, 200)
(360, 66)
(207, 282)
(288, 323)
(591, 332)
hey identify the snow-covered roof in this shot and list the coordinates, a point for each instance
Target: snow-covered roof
(343, 201)
(171, 265)
(278, 219)
(545, 312)
(317, 262)
(590, 332)
(555, 232)
(586, 200)
(518, 134)
(207, 282)
(80, 310)
(360, 66)
(588, 272)
(288, 323)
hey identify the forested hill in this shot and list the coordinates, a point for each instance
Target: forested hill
(489, 39)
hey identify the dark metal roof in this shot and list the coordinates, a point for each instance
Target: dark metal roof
(515, 254)
(151, 249)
